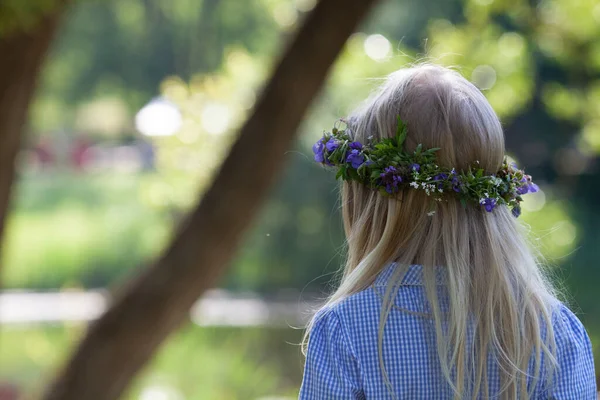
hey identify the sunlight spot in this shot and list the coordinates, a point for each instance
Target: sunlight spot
(285, 15)
(160, 117)
(215, 118)
(484, 77)
(596, 12)
(305, 5)
(160, 393)
(564, 233)
(511, 44)
(534, 201)
(377, 47)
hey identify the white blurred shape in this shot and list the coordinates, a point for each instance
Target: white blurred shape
(285, 15)
(511, 44)
(160, 393)
(596, 12)
(534, 201)
(305, 5)
(215, 118)
(159, 117)
(377, 47)
(564, 234)
(16, 307)
(484, 77)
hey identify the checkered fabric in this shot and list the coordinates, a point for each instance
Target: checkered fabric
(343, 362)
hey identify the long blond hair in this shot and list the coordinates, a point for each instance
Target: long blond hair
(499, 301)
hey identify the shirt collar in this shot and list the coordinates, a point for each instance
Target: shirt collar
(413, 276)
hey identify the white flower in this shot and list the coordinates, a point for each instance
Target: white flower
(486, 195)
(440, 190)
(414, 184)
(430, 213)
(428, 178)
(423, 185)
(482, 201)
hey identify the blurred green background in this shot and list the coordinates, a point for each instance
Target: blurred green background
(140, 100)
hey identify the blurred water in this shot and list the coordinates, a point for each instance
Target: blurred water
(215, 308)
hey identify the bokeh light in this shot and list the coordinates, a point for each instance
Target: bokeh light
(160, 117)
(377, 47)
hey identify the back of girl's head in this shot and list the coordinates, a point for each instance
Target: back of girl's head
(443, 110)
(491, 272)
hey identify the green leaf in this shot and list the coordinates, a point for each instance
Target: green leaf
(401, 132)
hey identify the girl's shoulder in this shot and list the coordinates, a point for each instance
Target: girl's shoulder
(575, 375)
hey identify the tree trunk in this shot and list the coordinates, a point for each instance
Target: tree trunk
(158, 301)
(22, 55)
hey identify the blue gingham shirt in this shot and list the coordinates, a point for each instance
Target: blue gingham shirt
(342, 360)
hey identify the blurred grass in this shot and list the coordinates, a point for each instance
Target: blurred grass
(196, 363)
(69, 230)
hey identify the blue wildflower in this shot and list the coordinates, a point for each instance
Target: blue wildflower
(516, 212)
(390, 179)
(355, 158)
(523, 189)
(533, 187)
(456, 184)
(489, 204)
(438, 178)
(318, 150)
(332, 144)
(415, 167)
(356, 146)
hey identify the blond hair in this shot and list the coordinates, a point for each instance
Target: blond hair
(499, 301)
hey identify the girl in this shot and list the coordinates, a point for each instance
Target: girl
(440, 297)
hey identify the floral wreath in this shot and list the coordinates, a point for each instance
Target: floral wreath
(385, 166)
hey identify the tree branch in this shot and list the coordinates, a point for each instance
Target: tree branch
(23, 52)
(158, 302)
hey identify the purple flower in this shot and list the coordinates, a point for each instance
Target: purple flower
(533, 187)
(438, 178)
(332, 144)
(355, 158)
(489, 204)
(415, 167)
(318, 150)
(356, 146)
(523, 189)
(456, 184)
(516, 211)
(390, 179)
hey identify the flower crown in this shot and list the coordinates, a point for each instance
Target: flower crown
(385, 166)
